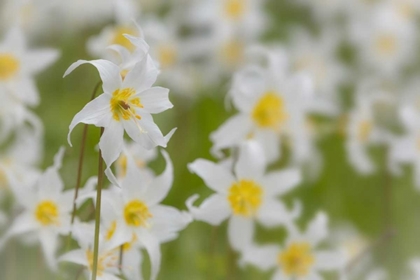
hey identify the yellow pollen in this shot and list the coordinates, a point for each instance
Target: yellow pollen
(269, 111)
(127, 246)
(46, 213)
(104, 261)
(123, 104)
(119, 39)
(9, 66)
(245, 197)
(122, 166)
(232, 52)
(364, 130)
(386, 44)
(167, 56)
(234, 9)
(110, 232)
(296, 260)
(136, 213)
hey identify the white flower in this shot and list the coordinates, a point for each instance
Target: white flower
(384, 42)
(47, 210)
(300, 258)
(20, 159)
(415, 268)
(18, 65)
(133, 213)
(126, 105)
(108, 254)
(272, 104)
(246, 196)
(362, 129)
(140, 156)
(406, 148)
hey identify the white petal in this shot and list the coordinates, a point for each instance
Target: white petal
(240, 232)
(155, 100)
(271, 143)
(328, 260)
(214, 210)
(153, 249)
(22, 224)
(142, 76)
(317, 229)
(251, 161)
(274, 213)
(75, 256)
(111, 142)
(263, 257)
(281, 182)
(231, 133)
(132, 261)
(108, 71)
(216, 177)
(49, 242)
(38, 60)
(161, 185)
(27, 91)
(96, 112)
(167, 222)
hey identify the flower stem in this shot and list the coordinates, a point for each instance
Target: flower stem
(98, 213)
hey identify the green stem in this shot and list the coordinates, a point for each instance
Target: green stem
(98, 213)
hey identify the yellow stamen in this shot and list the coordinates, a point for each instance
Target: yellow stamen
(167, 56)
(9, 66)
(119, 38)
(245, 197)
(234, 9)
(106, 260)
(122, 104)
(111, 230)
(364, 130)
(136, 213)
(386, 44)
(269, 111)
(297, 259)
(46, 213)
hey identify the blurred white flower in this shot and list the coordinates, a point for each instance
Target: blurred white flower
(133, 213)
(301, 257)
(108, 254)
(47, 210)
(384, 42)
(245, 196)
(18, 65)
(126, 105)
(273, 104)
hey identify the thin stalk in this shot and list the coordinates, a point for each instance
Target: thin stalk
(98, 213)
(120, 261)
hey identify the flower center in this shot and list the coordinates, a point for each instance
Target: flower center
(386, 44)
(119, 38)
(269, 111)
(232, 52)
(234, 9)
(167, 56)
(245, 197)
(104, 261)
(46, 213)
(136, 213)
(9, 66)
(123, 104)
(297, 259)
(364, 130)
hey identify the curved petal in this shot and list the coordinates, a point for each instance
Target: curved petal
(153, 249)
(111, 142)
(49, 243)
(155, 100)
(240, 232)
(231, 133)
(96, 112)
(215, 176)
(281, 182)
(317, 229)
(251, 162)
(263, 257)
(38, 60)
(214, 210)
(108, 71)
(27, 91)
(75, 256)
(273, 213)
(142, 76)
(161, 185)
